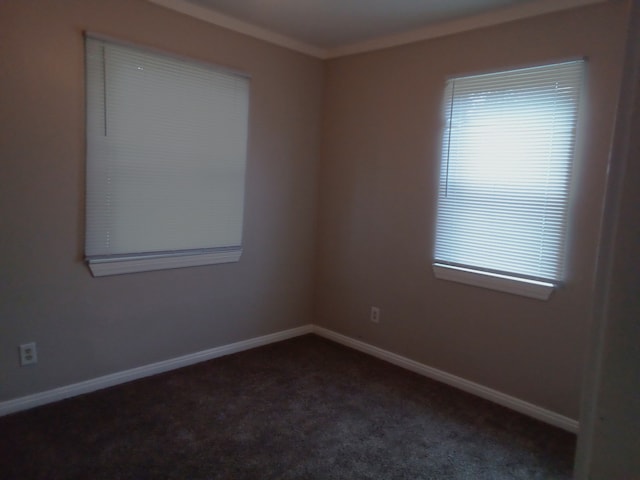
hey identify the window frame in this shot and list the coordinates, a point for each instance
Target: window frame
(505, 281)
(124, 263)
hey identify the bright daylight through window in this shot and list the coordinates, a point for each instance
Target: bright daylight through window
(166, 155)
(507, 157)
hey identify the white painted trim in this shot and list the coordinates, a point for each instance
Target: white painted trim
(230, 23)
(500, 398)
(489, 19)
(494, 281)
(60, 393)
(101, 267)
(504, 15)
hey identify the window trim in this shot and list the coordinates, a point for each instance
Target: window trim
(102, 266)
(512, 283)
(494, 281)
(117, 264)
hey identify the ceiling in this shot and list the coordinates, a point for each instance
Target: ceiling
(329, 28)
(333, 23)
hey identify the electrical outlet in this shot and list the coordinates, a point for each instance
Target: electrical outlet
(28, 354)
(375, 315)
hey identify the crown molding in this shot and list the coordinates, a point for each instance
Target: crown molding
(503, 15)
(231, 23)
(497, 17)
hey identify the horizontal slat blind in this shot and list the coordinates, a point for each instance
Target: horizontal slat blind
(506, 170)
(166, 152)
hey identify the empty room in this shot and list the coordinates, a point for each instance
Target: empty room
(319, 239)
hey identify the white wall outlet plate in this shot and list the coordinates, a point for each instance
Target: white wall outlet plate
(28, 354)
(375, 315)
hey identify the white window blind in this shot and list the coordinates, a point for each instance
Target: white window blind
(166, 155)
(506, 171)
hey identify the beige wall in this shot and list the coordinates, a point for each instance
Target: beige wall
(86, 327)
(378, 189)
(373, 227)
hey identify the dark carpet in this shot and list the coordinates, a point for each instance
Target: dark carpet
(305, 408)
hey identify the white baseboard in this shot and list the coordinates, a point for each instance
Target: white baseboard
(60, 393)
(500, 398)
(49, 396)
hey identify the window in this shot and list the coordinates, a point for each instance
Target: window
(166, 155)
(505, 176)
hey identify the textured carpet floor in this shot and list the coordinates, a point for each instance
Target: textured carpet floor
(304, 408)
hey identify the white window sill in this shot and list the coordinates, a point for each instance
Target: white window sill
(493, 281)
(121, 264)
